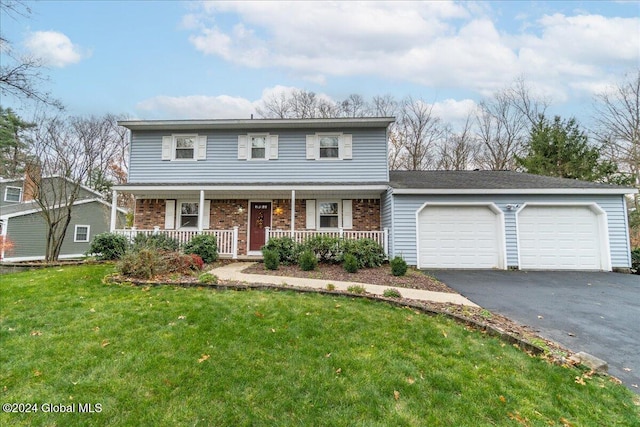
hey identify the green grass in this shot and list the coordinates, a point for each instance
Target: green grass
(165, 356)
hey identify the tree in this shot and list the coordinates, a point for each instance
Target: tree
(20, 75)
(458, 150)
(617, 115)
(77, 150)
(560, 148)
(13, 143)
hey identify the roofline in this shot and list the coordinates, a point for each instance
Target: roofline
(343, 122)
(480, 191)
(235, 187)
(58, 206)
(54, 176)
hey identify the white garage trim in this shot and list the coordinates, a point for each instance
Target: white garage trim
(501, 242)
(603, 229)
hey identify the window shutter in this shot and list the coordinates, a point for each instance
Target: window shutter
(167, 142)
(243, 141)
(346, 151)
(207, 214)
(201, 150)
(347, 214)
(311, 148)
(170, 215)
(273, 147)
(311, 214)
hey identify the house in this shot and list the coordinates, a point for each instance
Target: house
(22, 224)
(250, 180)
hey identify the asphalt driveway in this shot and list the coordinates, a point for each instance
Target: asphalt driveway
(598, 313)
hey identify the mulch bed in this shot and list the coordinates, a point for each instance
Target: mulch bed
(375, 276)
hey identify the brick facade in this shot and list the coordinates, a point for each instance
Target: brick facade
(225, 214)
(149, 213)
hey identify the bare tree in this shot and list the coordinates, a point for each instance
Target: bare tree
(383, 106)
(354, 106)
(458, 150)
(68, 153)
(617, 116)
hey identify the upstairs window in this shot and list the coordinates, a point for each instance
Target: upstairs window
(329, 146)
(13, 194)
(185, 147)
(258, 146)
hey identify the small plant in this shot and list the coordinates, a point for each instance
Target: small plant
(398, 266)
(356, 289)
(350, 263)
(271, 259)
(175, 262)
(158, 241)
(108, 246)
(331, 287)
(307, 261)
(325, 248)
(204, 245)
(392, 293)
(635, 261)
(368, 252)
(286, 247)
(141, 264)
(208, 279)
(485, 313)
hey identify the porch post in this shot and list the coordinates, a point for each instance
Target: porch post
(234, 243)
(385, 240)
(293, 212)
(201, 212)
(114, 210)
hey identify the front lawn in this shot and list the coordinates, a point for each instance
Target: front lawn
(193, 356)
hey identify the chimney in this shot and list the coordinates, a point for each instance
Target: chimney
(32, 175)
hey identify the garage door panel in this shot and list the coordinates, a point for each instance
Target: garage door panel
(459, 237)
(559, 238)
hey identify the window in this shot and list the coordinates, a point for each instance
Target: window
(185, 147)
(258, 146)
(188, 214)
(329, 214)
(12, 194)
(81, 233)
(329, 146)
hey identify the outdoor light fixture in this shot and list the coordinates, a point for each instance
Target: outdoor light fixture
(512, 206)
(278, 210)
(240, 209)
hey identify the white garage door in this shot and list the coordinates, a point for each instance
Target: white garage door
(559, 238)
(460, 237)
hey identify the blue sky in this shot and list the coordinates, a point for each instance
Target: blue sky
(171, 60)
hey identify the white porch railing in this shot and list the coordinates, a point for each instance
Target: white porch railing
(382, 237)
(227, 240)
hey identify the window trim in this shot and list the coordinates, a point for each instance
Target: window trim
(318, 214)
(174, 146)
(6, 191)
(178, 225)
(267, 141)
(75, 233)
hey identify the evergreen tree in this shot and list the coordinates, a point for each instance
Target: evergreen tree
(13, 144)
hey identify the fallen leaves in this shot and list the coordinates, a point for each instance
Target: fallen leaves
(396, 394)
(203, 358)
(105, 343)
(36, 333)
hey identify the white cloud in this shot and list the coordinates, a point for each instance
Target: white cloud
(453, 111)
(54, 48)
(430, 43)
(196, 107)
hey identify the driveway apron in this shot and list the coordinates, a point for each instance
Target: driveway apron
(594, 312)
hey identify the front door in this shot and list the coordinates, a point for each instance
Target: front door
(259, 219)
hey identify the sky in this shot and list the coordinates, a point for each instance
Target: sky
(193, 59)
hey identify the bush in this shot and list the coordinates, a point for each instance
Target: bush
(325, 248)
(208, 279)
(158, 241)
(286, 247)
(271, 259)
(635, 261)
(109, 246)
(398, 266)
(204, 245)
(356, 289)
(367, 252)
(350, 263)
(146, 263)
(391, 293)
(307, 261)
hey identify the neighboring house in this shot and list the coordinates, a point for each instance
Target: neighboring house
(22, 224)
(249, 180)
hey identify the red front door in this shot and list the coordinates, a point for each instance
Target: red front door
(259, 219)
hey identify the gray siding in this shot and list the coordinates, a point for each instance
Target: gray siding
(405, 207)
(369, 162)
(28, 232)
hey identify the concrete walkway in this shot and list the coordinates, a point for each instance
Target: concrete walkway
(234, 272)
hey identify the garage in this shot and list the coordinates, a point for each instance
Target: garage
(460, 236)
(563, 237)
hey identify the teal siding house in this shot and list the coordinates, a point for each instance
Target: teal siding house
(23, 229)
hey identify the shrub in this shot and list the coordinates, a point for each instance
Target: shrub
(208, 279)
(398, 266)
(350, 263)
(142, 264)
(356, 289)
(271, 259)
(307, 261)
(331, 287)
(286, 247)
(325, 248)
(182, 263)
(367, 252)
(109, 246)
(158, 241)
(204, 245)
(392, 293)
(635, 260)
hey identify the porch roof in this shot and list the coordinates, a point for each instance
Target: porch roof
(355, 190)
